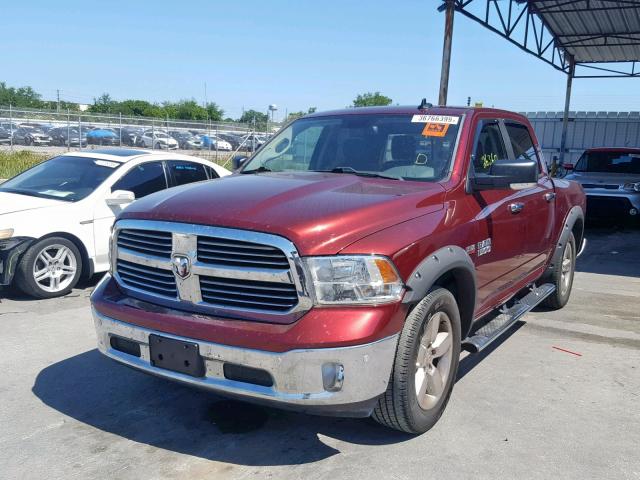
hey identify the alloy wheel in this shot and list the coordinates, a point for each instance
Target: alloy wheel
(55, 268)
(433, 362)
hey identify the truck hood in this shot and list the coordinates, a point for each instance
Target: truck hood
(321, 213)
(13, 202)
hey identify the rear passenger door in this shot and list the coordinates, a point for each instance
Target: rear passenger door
(538, 200)
(183, 172)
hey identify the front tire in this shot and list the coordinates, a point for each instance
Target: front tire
(425, 366)
(562, 276)
(50, 268)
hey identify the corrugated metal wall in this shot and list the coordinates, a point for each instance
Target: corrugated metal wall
(586, 129)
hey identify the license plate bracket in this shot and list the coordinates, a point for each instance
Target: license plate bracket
(176, 355)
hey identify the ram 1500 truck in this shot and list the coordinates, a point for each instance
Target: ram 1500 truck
(345, 266)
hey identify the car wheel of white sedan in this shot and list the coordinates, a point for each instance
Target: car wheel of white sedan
(50, 268)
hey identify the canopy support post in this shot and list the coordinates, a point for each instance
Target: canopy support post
(567, 103)
(446, 52)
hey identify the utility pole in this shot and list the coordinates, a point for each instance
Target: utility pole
(58, 107)
(567, 103)
(449, 7)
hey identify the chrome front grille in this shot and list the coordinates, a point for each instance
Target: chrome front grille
(222, 251)
(220, 271)
(145, 241)
(155, 280)
(277, 297)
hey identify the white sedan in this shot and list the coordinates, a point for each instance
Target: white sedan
(55, 218)
(158, 140)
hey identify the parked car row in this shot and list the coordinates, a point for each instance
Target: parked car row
(41, 134)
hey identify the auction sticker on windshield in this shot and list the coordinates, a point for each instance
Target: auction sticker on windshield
(446, 119)
(435, 129)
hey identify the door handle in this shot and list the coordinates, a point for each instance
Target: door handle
(516, 207)
(549, 196)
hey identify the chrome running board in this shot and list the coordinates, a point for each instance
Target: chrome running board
(506, 317)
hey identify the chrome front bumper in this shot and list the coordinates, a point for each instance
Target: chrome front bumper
(336, 381)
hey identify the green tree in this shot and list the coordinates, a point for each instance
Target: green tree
(294, 115)
(249, 115)
(214, 112)
(371, 100)
(103, 104)
(20, 97)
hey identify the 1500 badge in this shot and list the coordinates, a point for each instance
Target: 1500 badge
(481, 247)
(484, 246)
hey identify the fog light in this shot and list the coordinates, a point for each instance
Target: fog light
(633, 211)
(332, 376)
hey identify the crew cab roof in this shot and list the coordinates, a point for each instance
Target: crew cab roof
(410, 110)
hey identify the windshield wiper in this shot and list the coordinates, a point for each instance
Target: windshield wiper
(260, 169)
(359, 173)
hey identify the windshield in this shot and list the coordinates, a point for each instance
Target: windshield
(62, 178)
(609, 162)
(408, 147)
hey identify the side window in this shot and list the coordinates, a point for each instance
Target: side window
(523, 149)
(143, 179)
(211, 172)
(489, 147)
(186, 172)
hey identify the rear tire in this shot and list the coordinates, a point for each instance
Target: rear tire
(42, 274)
(425, 366)
(562, 276)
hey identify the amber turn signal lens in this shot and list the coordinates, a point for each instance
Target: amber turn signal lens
(387, 272)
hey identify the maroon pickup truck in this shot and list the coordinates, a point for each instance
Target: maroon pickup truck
(345, 266)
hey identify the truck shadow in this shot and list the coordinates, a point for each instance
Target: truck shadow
(113, 398)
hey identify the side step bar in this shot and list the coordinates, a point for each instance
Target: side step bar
(495, 327)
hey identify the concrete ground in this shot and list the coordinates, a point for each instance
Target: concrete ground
(523, 409)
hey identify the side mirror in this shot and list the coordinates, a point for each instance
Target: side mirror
(238, 161)
(120, 197)
(569, 166)
(506, 174)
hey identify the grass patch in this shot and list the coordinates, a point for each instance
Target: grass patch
(12, 163)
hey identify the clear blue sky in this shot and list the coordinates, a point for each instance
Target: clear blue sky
(294, 54)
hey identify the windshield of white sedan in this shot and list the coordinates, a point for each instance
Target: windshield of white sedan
(63, 178)
(403, 147)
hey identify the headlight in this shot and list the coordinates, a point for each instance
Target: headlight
(633, 187)
(354, 279)
(6, 233)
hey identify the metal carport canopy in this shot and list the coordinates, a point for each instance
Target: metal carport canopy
(582, 38)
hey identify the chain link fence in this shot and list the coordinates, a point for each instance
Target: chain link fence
(58, 131)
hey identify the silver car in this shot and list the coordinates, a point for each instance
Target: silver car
(611, 179)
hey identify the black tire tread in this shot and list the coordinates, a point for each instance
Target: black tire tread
(392, 406)
(23, 280)
(555, 301)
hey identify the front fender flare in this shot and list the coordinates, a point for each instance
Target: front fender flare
(447, 260)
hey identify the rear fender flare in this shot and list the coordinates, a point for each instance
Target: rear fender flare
(573, 216)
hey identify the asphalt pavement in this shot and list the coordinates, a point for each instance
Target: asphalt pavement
(557, 397)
